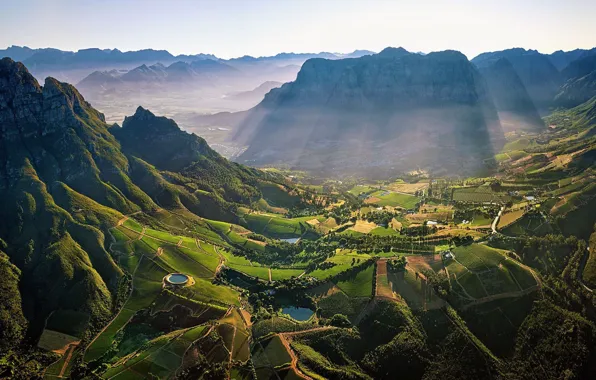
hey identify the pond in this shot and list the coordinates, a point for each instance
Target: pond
(298, 313)
(177, 278)
(290, 240)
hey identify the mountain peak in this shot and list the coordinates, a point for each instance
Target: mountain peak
(143, 114)
(392, 52)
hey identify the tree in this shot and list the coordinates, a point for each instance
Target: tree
(340, 320)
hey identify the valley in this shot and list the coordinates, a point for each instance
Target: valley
(390, 215)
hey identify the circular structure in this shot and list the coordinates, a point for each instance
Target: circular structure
(177, 279)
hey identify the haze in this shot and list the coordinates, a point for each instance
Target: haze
(233, 28)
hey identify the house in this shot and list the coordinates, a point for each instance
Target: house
(447, 255)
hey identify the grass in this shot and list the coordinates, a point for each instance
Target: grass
(358, 189)
(340, 303)
(55, 341)
(185, 263)
(162, 236)
(509, 217)
(284, 274)
(342, 261)
(133, 225)
(105, 339)
(478, 257)
(383, 231)
(271, 353)
(360, 285)
(395, 199)
(159, 357)
(481, 194)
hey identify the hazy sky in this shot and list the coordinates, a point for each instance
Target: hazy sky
(230, 28)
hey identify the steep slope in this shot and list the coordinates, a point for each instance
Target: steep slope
(560, 59)
(516, 109)
(535, 70)
(50, 137)
(65, 179)
(580, 85)
(394, 109)
(160, 142)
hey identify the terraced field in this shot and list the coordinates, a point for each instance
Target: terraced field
(479, 272)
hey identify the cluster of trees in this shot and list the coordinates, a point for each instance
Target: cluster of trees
(383, 217)
(376, 244)
(397, 265)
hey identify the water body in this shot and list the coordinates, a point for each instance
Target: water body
(298, 313)
(290, 240)
(178, 278)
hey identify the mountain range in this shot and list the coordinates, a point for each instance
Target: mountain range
(66, 177)
(73, 66)
(382, 110)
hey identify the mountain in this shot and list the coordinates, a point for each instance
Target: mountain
(516, 109)
(356, 54)
(540, 77)
(255, 95)
(18, 53)
(580, 85)
(196, 73)
(393, 109)
(66, 177)
(561, 59)
(580, 67)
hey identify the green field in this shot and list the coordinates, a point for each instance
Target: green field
(340, 303)
(342, 261)
(481, 194)
(479, 271)
(358, 189)
(384, 231)
(270, 353)
(360, 284)
(388, 198)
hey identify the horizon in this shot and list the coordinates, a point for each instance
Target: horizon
(231, 29)
(305, 52)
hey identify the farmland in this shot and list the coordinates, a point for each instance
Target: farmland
(388, 198)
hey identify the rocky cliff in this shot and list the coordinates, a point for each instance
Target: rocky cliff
(394, 109)
(515, 107)
(540, 77)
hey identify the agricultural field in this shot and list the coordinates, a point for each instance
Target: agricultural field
(358, 284)
(479, 271)
(270, 353)
(414, 289)
(510, 217)
(388, 198)
(410, 188)
(383, 231)
(359, 189)
(342, 261)
(480, 194)
(279, 227)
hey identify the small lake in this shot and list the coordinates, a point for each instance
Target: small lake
(178, 278)
(298, 313)
(290, 240)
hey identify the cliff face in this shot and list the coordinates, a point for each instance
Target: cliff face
(540, 77)
(393, 109)
(51, 143)
(514, 105)
(580, 85)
